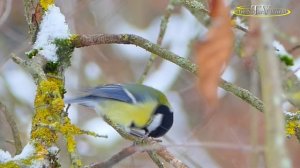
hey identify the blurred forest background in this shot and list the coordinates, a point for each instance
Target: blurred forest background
(223, 140)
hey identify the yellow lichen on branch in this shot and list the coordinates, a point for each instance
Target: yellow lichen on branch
(49, 119)
(49, 106)
(69, 130)
(46, 3)
(292, 125)
(10, 164)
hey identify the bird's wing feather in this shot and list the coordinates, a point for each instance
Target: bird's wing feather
(111, 91)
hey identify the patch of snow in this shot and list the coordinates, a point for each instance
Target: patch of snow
(27, 151)
(289, 113)
(296, 67)
(53, 26)
(279, 48)
(4, 156)
(39, 164)
(53, 149)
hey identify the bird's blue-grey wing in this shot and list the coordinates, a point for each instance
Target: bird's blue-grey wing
(111, 91)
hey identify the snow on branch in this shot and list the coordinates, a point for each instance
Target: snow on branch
(53, 27)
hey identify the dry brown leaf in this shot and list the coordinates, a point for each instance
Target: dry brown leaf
(214, 51)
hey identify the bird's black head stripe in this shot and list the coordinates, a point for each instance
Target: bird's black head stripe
(167, 121)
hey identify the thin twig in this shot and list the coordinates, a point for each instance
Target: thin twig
(168, 157)
(124, 153)
(294, 49)
(163, 27)
(70, 141)
(241, 28)
(153, 155)
(196, 8)
(91, 133)
(243, 94)
(194, 5)
(7, 10)
(14, 129)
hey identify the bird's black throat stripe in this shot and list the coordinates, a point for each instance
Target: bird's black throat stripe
(166, 124)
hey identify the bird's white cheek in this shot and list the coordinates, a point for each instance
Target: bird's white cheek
(156, 122)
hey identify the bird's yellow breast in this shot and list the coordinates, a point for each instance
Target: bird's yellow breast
(125, 114)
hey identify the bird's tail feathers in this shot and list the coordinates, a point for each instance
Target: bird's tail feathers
(84, 101)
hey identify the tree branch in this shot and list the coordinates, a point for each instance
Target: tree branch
(153, 155)
(168, 157)
(275, 148)
(29, 8)
(243, 94)
(14, 129)
(162, 31)
(196, 8)
(88, 40)
(147, 144)
(128, 151)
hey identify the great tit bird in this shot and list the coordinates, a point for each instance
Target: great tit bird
(142, 109)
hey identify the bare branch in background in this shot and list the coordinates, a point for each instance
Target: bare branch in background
(163, 27)
(196, 8)
(7, 9)
(243, 94)
(275, 149)
(128, 151)
(115, 159)
(153, 155)
(14, 129)
(168, 157)
(293, 49)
